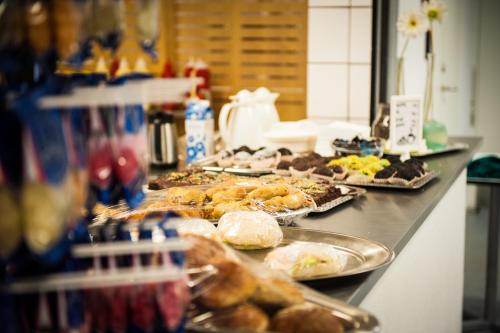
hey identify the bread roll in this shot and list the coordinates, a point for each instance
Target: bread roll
(203, 251)
(276, 292)
(250, 230)
(196, 227)
(233, 284)
(245, 317)
(306, 318)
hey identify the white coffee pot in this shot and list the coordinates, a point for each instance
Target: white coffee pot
(247, 117)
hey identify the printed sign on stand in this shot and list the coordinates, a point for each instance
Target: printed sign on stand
(406, 123)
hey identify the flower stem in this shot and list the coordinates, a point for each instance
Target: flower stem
(430, 75)
(400, 85)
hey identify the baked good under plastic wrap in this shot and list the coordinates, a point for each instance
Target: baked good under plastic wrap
(283, 201)
(246, 296)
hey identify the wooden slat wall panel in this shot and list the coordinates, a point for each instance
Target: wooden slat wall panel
(247, 44)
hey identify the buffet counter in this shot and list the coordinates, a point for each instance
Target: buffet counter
(421, 290)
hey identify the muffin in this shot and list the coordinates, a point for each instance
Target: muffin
(306, 318)
(245, 317)
(233, 284)
(276, 292)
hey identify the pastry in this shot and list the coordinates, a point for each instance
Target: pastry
(185, 196)
(284, 165)
(233, 284)
(339, 172)
(191, 176)
(285, 152)
(243, 149)
(294, 200)
(225, 159)
(276, 292)
(306, 318)
(242, 159)
(359, 178)
(264, 159)
(204, 251)
(250, 230)
(305, 260)
(228, 195)
(382, 176)
(196, 227)
(227, 207)
(323, 170)
(405, 174)
(244, 317)
(269, 191)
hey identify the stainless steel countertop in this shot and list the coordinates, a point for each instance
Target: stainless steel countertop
(388, 216)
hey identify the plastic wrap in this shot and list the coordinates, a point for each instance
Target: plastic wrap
(303, 259)
(282, 201)
(245, 296)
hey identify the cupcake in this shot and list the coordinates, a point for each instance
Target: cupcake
(339, 173)
(382, 177)
(225, 159)
(283, 168)
(405, 174)
(359, 178)
(323, 171)
(301, 167)
(242, 159)
(264, 159)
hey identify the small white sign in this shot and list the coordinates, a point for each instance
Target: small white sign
(406, 121)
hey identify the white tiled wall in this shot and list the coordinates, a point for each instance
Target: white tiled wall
(339, 55)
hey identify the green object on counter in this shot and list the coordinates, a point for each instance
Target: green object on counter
(435, 135)
(485, 167)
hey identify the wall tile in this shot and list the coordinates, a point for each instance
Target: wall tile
(328, 35)
(328, 3)
(327, 90)
(360, 121)
(360, 38)
(355, 3)
(359, 91)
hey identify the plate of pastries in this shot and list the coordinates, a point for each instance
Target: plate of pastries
(301, 254)
(325, 194)
(361, 170)
(210, 202)
(246, 296)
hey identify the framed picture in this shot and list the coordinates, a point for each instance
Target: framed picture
(406, 123)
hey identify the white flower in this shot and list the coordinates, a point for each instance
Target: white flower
(412, 24)
(434, 10)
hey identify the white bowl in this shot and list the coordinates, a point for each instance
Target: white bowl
(298, 141)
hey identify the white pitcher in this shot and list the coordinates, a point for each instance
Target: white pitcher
(253, 113)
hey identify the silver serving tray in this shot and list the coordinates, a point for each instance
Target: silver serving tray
(239, 171)
(353, 194)
(122, 210)
(413, 186)
(457, 146)
(354, 319)
(363, 255)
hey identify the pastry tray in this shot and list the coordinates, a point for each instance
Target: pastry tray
(353, 318)
(413, 186)
(364, 255)
(239, 171)
(208, 162)
(457, 146)
(122, 210)
(353, 193)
